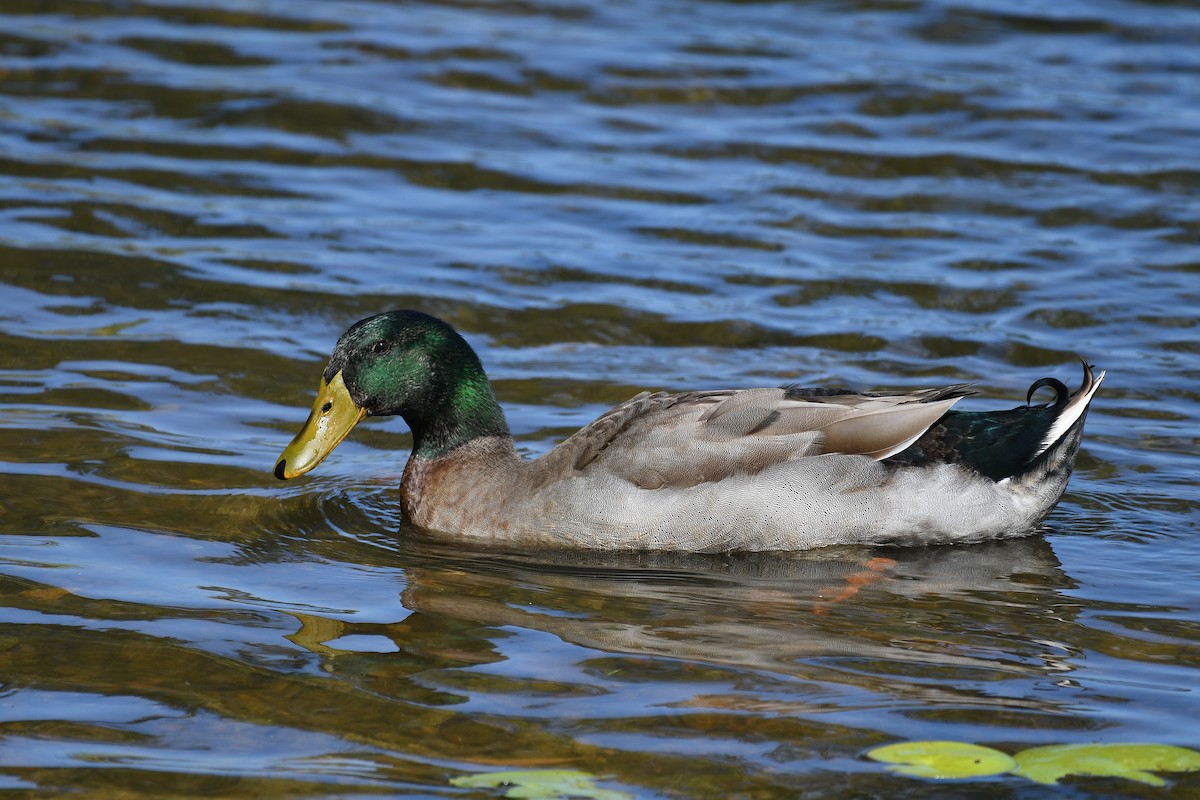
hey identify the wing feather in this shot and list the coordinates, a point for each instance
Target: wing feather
(679, 440)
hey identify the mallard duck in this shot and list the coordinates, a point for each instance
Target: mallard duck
(706, 471)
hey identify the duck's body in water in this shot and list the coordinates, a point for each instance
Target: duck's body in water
(751, 469)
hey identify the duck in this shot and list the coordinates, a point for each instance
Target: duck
(712, 471)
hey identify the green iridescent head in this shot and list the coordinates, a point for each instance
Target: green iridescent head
(398, 363)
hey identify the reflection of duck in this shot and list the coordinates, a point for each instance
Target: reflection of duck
(940, 626)
(757, 469)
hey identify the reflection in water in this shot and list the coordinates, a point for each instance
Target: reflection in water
(944, 622)
(446, 655)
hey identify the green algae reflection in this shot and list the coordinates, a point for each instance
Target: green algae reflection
(542, 784)
(1132, 761)
(943, 759)
(1046, 765)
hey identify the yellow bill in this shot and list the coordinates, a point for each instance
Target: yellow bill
(333, 416)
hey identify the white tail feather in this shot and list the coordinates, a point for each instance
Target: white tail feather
(1069, 416)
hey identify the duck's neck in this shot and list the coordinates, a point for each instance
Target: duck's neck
(464, 409)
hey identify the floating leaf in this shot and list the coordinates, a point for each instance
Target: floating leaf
(1049, 764)
(541, 784)
(943, 759)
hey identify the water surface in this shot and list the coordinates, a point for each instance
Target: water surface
(197, 198)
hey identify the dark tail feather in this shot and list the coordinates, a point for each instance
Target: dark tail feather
(1061, 393)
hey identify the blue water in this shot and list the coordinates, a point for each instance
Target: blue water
(197, 198)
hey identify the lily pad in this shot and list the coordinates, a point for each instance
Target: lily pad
(943, 759)
(542, 784)
(1133, 761)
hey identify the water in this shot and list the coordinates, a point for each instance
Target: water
(195, 199)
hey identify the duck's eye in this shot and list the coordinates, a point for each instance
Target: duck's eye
(381, 347)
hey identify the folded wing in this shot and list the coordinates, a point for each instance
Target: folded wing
(679, 440)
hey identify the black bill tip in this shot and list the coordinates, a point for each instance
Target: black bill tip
(280, 468)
